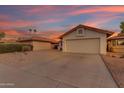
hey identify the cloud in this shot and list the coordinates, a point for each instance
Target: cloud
(27, 23)
(51, 34)
(114, 9)
(52, 20)
(11, 32)
(39, 9)
(100, 19)
(4, 17)
(17, 23)
(48, 11)
(39, 15)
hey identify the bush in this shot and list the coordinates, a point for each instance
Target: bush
(12, 47)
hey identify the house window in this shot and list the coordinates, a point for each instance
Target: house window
(114, 42)
(120, 42)
(80, 32)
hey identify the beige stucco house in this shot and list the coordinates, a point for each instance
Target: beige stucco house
(85, 39)
(38, 43)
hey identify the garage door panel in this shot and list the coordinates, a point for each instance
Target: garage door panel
(83, 46)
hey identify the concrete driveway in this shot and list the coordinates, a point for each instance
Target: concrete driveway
(50, 68)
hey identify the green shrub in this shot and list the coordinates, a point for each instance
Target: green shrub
(12, 47)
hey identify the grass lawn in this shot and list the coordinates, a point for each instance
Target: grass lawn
(116, 67)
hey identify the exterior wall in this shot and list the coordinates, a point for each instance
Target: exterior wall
(103, 45)
(87, 34)
(115, 46)
(29, 42)
(118, 49)
(11, 36)
(41, 45)
(38, 45)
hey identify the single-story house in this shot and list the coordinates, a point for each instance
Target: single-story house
(38, 43)
(7, 40)
(116, 43)
(85, 39)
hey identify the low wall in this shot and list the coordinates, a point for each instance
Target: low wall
(118, 49)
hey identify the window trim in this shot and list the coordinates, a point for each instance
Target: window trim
(78, 33)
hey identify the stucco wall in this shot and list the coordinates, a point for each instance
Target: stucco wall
(41, 45)
(118, 49)
(87, 34)
(38, 45)
(29, 42)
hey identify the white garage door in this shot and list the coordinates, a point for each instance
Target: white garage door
(83, 45)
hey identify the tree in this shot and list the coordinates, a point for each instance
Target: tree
(122, 27)
(30, 30)
(35, 30)
(2, 35)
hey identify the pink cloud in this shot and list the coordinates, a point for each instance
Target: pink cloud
(18, 23)
(100, 19)
(39, 9)
(11, 32)
(24, 23)
(47, 11)
(114, 9)
(51, 34)
(52, 20)
(3, 16)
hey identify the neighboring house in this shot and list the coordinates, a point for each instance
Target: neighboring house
(10, 36)
(8, 40)
(38, 43)
(85, 39)
(116, 43)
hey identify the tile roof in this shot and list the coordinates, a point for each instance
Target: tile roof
(116, 37)
(8, 40)
(88, 28)
(41, 39)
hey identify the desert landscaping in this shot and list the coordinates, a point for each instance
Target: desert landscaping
(116, 67)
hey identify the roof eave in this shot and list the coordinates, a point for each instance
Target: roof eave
(87, 27)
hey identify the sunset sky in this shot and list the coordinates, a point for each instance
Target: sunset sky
(60, 18)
